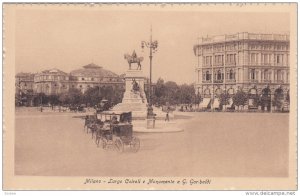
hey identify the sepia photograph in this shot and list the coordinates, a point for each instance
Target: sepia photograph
(104, 96)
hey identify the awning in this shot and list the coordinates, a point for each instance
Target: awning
(205, 103)
(216, 103)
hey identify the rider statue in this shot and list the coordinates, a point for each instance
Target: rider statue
(134, 59)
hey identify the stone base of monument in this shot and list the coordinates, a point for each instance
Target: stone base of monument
(134, 99)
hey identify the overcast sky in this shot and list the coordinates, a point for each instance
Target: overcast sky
(68, 40)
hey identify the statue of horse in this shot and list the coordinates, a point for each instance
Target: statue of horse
(134, 59)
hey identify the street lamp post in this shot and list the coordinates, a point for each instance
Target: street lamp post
(152, 45)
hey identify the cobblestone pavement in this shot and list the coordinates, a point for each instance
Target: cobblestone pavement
(212, 144)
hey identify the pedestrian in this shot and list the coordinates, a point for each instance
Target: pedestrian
(167, 116)
(41, 108)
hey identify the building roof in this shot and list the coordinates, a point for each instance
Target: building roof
(243, 36)
(93, 70)
(23, 75)
(53, 72)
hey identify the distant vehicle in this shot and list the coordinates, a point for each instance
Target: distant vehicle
(168, 108)
(104, 105)
(77, 108)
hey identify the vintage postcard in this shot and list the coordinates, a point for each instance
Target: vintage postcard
(150, 96)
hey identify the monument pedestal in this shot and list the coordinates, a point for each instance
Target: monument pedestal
(134, 99)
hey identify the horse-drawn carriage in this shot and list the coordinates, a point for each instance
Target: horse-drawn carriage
(114, 130)
(77, 108)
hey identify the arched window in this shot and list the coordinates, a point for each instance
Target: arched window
(230, 91)
(218, 91)
(207, 92)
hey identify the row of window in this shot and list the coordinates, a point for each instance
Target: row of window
(267, 75)
(99, 79)
(219, 59)
(256, 58)
(253, 75)
(219, 75)
(281, 47)
(57, 78)
(48, 86)
(234, 46)
(50, 77)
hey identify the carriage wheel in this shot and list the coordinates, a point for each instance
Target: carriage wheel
(135, 144)
(97, 140)
(119, 145)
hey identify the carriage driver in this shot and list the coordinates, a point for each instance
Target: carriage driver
(114, 120)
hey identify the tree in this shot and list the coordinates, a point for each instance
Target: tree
(53, 99)
(118, 95)
(223, 99)
(40, 98)
(158, 96)
(278, 98)
(186, 93)
(198, 99)
(93, 96)
(171, 92)
(75, 96)
(240, 98)
(266, 98)
(64, 98)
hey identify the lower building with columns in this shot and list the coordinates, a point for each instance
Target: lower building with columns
(246, 61)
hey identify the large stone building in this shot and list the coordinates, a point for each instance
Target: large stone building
(55, 81)
(51, 82)
(92, 75)
(247, 61)
(24, 82)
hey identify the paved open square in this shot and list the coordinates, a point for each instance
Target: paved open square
(212, 144)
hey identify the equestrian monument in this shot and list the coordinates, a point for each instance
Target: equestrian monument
(134, 98)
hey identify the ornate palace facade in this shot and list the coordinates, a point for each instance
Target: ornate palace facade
(51, 82)
(246, 61)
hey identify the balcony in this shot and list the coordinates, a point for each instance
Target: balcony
(206, 81)
(218, 81)
(279, 81)
(252, 81)
(219, 65)
(266, 81)
(230, 81)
